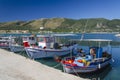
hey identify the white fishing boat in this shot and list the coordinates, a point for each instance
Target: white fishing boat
(10, 43)
(4, 42)
(46, 47)
(16, 48)
(95, 60)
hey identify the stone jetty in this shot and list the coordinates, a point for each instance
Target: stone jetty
(17, 67)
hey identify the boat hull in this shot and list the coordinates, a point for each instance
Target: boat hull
(15, 48)
(43, 53)
(4, 46)
(35, 52)
(88, 69)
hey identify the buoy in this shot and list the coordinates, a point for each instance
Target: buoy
(57, 58)
(70, 61)
(83, 60)
(79, 61)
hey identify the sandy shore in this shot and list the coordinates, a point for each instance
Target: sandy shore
(16, 67)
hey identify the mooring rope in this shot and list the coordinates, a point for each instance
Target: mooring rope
(75, 72)
(56, 65)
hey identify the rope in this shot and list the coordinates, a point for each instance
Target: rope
(75, 72)
(56, 65)
(64, 69)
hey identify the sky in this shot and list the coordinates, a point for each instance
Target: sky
(26, 10)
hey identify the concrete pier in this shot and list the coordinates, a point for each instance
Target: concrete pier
(16, 67)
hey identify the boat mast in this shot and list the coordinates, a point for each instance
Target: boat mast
(82, 36)
(99, 66)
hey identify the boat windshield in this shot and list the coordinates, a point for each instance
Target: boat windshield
(46, 39)
(31, 38)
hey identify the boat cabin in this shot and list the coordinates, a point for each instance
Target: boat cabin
(7, 41)
(29, 40)
(4, 41)
(45, 41)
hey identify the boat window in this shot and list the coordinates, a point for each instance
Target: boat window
(40, 39)
(49, 39)
(6, 38)
(24, 38)
(31, 38)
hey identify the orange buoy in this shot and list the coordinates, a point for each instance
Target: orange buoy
(79, 61)
(70, 61)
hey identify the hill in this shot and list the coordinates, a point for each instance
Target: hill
(64, 25)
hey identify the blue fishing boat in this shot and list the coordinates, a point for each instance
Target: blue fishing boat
(96, 59)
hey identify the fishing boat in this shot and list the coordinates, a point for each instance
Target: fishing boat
(10, 43)
(4, 42)
(117, 35)
(45, 46)
(16, 48)
(96, 59)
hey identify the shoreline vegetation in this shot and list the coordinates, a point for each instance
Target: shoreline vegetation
(61, 25)
(45, 32)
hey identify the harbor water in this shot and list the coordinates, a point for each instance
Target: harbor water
(110, 72)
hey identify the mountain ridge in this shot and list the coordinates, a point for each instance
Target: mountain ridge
(64, 25)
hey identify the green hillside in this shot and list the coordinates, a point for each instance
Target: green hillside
(64, 25)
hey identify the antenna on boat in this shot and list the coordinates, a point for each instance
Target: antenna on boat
(99, 66)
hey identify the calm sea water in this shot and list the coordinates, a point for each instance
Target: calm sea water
(111, 72)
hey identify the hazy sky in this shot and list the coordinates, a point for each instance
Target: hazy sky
(11, 10)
